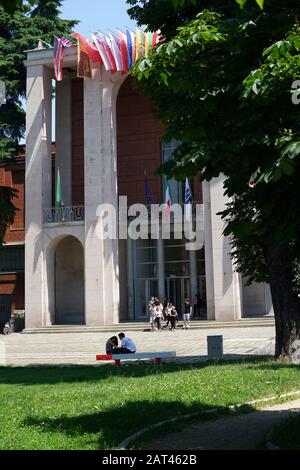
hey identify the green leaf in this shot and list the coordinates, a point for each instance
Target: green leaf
(242, 3)
(260, 3)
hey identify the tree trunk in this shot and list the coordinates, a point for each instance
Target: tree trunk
(286, 302)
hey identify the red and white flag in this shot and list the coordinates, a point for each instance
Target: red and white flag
(101, 50)
(124, 51)
(116, 51)
(58, 53)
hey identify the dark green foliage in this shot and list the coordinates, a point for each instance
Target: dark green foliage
(22, 24)
(7, 209)
(37, 19)
(223, 86)
(217, 90)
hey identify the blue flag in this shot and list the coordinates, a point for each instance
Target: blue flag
(188, 200)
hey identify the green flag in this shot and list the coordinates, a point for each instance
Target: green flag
(58, 193)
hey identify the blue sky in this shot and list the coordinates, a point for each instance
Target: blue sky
(97, 14)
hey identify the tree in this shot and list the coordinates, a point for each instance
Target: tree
(10, 5)
(222, 86)
(20, 31)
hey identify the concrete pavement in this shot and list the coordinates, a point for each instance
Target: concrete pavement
(239, 432)
(81, 348)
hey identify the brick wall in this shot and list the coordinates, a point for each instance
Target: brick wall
(139, 146)
(13, 284)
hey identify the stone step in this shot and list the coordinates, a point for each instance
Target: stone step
(145, 326)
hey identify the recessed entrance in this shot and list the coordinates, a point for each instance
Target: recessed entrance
(69, 282)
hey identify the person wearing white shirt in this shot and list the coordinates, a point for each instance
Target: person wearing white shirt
(127, 345)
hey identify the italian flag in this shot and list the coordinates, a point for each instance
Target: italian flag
(168, 202)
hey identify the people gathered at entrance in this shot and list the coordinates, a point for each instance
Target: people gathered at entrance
(167, 312)
(163, 315)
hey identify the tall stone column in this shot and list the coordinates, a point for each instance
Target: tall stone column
(38, 191)
(100, 155)
(63, 137)
(193, 275)
(161, 268)
(130, 280)
(209, 269)
(226, 282)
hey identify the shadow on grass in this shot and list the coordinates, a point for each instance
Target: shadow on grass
(52, 375)
(117, 423)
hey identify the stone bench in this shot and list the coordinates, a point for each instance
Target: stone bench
(157, 356)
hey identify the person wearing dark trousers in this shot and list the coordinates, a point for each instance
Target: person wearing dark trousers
(127, 345)
(173, 317)
(111, 345)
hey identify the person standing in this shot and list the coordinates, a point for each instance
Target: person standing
(173, 318)
(159, 316)
(187, 313)
(168, 312)
(151, 313)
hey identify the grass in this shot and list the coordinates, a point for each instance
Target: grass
(286, 435)
(97, 407)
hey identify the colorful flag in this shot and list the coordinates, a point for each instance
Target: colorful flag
(66, 42)
(148, 44)
(140, 44)
(131, 48)
(116, 51)
(188, 210)
(88, 48)
(168, 202)
(124, 52)
(107, 47)
(58, 192)
(101, 50)
(154, 40)
(58, 54)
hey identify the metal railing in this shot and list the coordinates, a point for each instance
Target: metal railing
(57, 215)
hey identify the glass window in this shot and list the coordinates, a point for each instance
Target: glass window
(12, 259)
(176, 187)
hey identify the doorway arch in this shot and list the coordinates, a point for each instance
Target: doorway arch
(69, 282)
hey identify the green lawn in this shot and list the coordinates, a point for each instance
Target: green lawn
(287, 434)
(97, 407)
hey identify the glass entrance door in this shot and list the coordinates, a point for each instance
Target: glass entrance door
(144, 290)
(176, 290)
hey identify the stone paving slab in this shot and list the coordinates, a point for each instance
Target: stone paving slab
(81, 348)
(239, 432)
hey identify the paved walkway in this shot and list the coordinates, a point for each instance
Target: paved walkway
(239, 432)
(81, 348)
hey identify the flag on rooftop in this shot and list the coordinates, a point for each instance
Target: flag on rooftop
(188, 209)
(107, 47)
(102, 52)
(140, 43)
(131, 48)
(123, 51)
(58, 53)
(117, 52)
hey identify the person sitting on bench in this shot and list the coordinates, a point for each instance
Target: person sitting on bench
(111, 345)
(128, 346)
